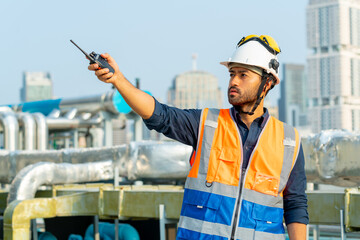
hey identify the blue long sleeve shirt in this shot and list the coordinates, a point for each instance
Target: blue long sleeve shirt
(183, 124)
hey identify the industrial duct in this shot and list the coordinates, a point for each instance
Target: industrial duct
(144, 160)
(331, 157)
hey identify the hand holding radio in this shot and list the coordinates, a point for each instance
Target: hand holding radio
(104, 74)
(96, 58)
(103, 65)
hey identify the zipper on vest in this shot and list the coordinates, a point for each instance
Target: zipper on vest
(243, 170)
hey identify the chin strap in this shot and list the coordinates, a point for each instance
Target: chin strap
(265, 78)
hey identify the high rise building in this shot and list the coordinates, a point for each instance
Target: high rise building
(195, 89)
(333, 36)
(293, 99)
(36, 86)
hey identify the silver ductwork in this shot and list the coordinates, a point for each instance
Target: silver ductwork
(331, 157)
(10, 126)
(65, 123)
(144, 160)
(92, 104)
(30, 178)
(42, 131)
(153, 160)
(27, 122)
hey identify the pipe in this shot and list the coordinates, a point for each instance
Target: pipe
(12, 162)
(71, 113)
(110, 101)
(41, 131)
(137, 161)
(29, 130)
(30, 178)
(11, 130)
(331, 157)
(4, 109)
(63, 123)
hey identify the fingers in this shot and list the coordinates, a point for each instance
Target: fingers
(93, 67)
(103, 74)
(105, 77)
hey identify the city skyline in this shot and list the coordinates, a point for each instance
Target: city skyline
(153, 41)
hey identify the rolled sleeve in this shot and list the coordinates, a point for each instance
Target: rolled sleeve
(295, 199)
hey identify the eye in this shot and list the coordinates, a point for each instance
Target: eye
(232, 75)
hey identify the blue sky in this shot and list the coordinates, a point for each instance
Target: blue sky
(150, 40)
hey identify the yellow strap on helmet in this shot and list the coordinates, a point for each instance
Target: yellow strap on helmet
(267, 41)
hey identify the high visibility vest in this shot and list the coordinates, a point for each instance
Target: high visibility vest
(222, 201)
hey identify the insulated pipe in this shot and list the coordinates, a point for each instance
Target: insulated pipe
(10, 125)
(147, 160)
(109, 102)
(64, 123)
(29, 130)
(41, 131)
(71, 113)
(12, 162)
(91, 104)
(4, 109)
(30, 178)
(331, 157)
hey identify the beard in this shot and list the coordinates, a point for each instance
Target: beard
(242, 98)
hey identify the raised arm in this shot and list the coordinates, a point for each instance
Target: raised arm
(141, 102)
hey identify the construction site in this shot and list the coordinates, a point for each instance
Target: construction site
(63, 177)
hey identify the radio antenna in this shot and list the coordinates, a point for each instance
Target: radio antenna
(87, 55)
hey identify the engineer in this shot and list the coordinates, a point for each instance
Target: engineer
(247, 168)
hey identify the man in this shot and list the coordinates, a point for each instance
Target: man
(247, 167)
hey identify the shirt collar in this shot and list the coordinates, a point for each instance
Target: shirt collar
(261, 120)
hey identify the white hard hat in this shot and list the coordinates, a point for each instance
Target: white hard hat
(259, 52)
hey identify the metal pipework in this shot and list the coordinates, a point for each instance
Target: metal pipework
(90, 104)
(11, 130)
(42, 131)
(29, 130)
(111, 102)
(331, 157)
(64, 123)
(33, 176)
(145, 160)
(153, 160)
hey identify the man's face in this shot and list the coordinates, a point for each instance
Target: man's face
(243, 86)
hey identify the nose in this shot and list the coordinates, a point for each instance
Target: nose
(234, 81)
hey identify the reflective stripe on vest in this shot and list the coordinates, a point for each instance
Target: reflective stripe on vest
(213, 184)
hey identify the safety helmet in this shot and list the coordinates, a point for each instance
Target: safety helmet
(258, 51)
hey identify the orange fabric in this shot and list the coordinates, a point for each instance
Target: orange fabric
(266, 164)
(225, 154)
(195, 167)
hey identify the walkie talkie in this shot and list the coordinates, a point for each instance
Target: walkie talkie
(96, 58)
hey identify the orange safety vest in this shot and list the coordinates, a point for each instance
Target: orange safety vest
(223, 202)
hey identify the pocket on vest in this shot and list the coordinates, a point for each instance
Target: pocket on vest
(201, 205)
(224, 166)
(268, 220)
(266, 184)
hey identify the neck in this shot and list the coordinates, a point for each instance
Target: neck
(248, 119)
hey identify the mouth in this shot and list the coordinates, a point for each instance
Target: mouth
(233, 91)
